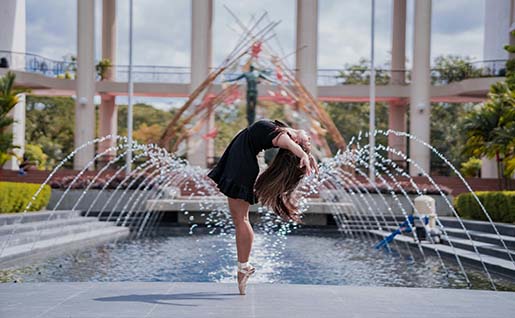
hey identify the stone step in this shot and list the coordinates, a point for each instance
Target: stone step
(482, 247)
(369, 226)
(479, 226)
(53, 233)
(483, 237)
(13, 256)
(129, 220)
(34, 226)
(27, 217)
(495, 264)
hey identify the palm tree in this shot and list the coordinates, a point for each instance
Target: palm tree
(8, 99)
(491, 130)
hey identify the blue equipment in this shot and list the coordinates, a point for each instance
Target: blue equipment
(404, 227)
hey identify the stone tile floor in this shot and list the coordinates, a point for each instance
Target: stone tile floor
(161, 299)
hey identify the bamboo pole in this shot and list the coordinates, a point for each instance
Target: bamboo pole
(205, 106)
(171, 128)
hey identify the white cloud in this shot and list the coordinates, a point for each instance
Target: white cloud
(162, 31)
(51, 27)
(457, 28)
(344, 32)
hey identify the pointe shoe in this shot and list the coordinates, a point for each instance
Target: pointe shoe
(247, 272)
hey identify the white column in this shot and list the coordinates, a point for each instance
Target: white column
(12, 34)
(12, 38)
(397, 109)
(420, 106)
(18, 131)
(109, 34)
(398, 42)
(307, 37)
(108, 113)
(84, 106)
(107, 124)
(201, 38)
(489, 168)
(496, 29)
(397, 120)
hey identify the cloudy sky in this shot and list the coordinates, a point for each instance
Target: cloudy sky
(162, 29)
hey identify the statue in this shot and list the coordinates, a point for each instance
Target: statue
(252, 77)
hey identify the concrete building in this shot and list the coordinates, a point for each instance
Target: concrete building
(399, 94)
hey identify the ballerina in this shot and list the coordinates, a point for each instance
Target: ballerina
(237, 171)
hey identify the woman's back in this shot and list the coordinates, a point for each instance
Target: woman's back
(261, 134)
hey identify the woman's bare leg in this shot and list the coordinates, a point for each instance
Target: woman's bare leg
(244, 233)
(244, 238)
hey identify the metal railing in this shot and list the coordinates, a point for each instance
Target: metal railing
(35, 63)
(356, 75)
(154, 73)
(443, 76)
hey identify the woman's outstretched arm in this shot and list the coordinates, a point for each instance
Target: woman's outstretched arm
(284, 141)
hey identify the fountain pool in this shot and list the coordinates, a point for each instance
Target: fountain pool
(325, 259)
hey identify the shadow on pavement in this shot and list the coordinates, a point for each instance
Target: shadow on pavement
(162, 298)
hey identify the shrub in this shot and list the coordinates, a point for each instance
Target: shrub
(36, 156)
(102, 67)
(500, 205)
(83, 181)
(471, 167)
(14, 196)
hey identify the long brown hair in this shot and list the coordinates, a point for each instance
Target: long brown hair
(275, 187)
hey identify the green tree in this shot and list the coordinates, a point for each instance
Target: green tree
(510, 65)
(142, 113)
(148, 134)
(453, 68)
(50, 124)
(353, 118)
(490, 130)
(228, 129)
(446, 121)
(354, 74)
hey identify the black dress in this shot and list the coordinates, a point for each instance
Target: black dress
(237, 170)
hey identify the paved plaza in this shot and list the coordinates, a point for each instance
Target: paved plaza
(161, 299)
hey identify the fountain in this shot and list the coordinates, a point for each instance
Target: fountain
(138, 201)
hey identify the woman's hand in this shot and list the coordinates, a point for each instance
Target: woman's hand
(305, 162)
(313, 163)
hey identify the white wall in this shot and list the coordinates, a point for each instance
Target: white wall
(497, 24)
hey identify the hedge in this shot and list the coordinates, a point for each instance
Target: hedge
(500, 205)
(15, 196)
